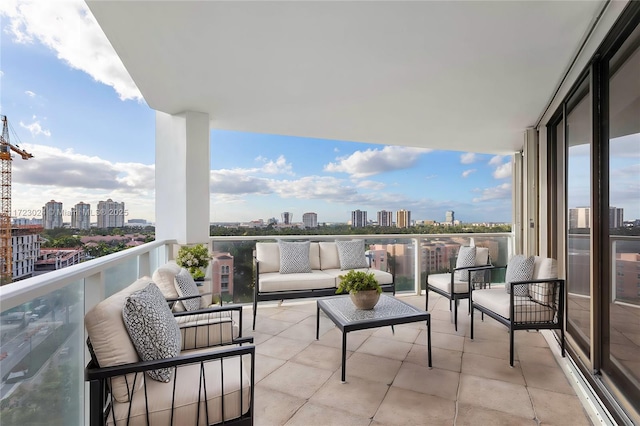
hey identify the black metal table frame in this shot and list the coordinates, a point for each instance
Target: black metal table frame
(347, 326)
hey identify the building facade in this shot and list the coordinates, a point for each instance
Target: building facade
(358, 219)
(222, 275)
(81, 216)
(310, 220)
(450, 217)
(287, 218)
(385, 218)
(110, 214)
(403, 218)
(52, 215)
(25, 242)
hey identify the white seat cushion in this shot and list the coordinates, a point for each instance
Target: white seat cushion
(187, 392)
(526, 310)
(274, 281)
(329, 258)
(382, 276)
(443, 282)
(164, 277)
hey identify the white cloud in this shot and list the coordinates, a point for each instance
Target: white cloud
(35, 128)
(496, 160)
(370, 184)
(500, 192)
(374, 161)
(466, 173)
(503, 171)
(70, 30)
(468, 158)
(30, 94)
(280, 166)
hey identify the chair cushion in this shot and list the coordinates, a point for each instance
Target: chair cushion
(351, 254)
(152, 328)
(543, 268)
(519, 268)
(482, 258)
(268, 254)
(186, 286)
(164, 277)
(189, 388)
(329, 258)
(110, 338)
(525, 310)
(466, 258)
(443, 282)
(274, 281)
(207, 329)
(294, 257)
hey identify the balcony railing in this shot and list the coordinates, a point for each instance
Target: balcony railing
(42, 331)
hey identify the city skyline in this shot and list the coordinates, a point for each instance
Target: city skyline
(93, 138)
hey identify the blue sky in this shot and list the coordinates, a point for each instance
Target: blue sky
(72, 105)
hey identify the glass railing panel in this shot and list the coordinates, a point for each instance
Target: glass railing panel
(42, 359)
(397, 256)
(118, 277)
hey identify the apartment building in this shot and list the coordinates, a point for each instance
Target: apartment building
(52, 215)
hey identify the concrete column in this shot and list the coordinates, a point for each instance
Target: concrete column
(182, 177)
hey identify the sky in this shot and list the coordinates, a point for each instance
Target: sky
(71, 104)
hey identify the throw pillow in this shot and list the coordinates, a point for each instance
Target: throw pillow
(519, 268)
(351, 254)
(186, 286)
(466, 258)
(152, 328)
(294, 257)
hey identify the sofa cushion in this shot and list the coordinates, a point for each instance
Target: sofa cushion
(351, 254)
(207, 329)
(110, 339)
(314, 255)
(189, 388)
(294, 257)
(443, 282)
(274, 281)
(466, 258)
(382, 276)
(152, 328)
(329, 258)
(268, 254)
(519, 268)
(186, 286)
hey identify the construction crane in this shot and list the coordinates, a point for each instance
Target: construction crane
(6, 252)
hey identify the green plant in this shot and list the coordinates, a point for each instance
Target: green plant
(194, 258)
(355, 281)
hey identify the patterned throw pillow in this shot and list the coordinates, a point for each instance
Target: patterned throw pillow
(294, 257)
(186, 286)
(152, 328)
(519, 268)
(351, 254)
(466, 258)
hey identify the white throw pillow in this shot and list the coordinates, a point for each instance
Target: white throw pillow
(351, 254)
(466, 258)
(186, 286)
(294, 257)
(152, 328)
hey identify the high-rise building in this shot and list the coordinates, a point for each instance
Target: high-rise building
(385, 218)
(579, 217)
(52, 215)
(110, 214)
(450, 217)
(616, 217)
(81, 216)
(310, 220)
(403, 218)
(25, 241)
(358, 219)
(287, 218)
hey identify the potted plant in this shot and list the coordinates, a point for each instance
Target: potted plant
(195, 259)
(363, 288)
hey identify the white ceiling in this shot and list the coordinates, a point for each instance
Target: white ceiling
(467, 76)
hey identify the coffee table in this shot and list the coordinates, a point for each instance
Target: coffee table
(388, 311)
